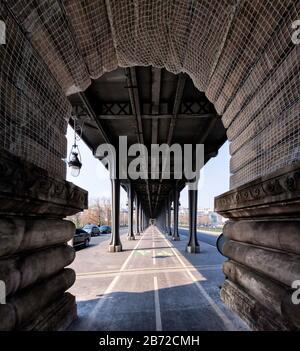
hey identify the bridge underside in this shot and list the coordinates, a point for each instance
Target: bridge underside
(156, 72)
(148, 106)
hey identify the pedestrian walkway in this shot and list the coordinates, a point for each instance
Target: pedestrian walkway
(152, 285)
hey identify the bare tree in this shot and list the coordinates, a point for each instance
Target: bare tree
(99, 213)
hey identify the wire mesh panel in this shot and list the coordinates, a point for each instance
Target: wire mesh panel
(286, 129)
(251, 28)
(46, 25)
(33, 108)
(239, 52)
(271, 57)
(91, 28)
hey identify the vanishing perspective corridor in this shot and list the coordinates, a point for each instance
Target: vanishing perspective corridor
(152, 285)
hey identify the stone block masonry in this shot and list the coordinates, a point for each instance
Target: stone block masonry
(263, 248)
(33, 246)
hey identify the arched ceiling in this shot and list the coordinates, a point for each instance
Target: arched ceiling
(238, 52)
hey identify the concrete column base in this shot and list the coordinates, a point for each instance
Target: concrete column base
(193, 249)
(114, 248)
(131, 237)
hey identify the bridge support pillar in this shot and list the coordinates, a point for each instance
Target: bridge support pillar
(137, 216)
(165, 214)
(169, 229)
(147, 221)
(130, 212)
(141, 220)
(262, 243)
(144, 221)
(33, 247)
(176, 236)
(115, 243)
(193, 244)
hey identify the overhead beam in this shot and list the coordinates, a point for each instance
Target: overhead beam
(155, 97)
(208, 130)
(93, 116)
(177, 103)
(135, 101)
(159, 116)
(155, 90)
(136, 108)
(176, 107)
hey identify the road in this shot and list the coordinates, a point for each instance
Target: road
(153, 285)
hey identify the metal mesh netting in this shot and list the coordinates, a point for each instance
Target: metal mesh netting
(93, 37)
(45, 24)
(251, 28)
(239, 52)
(32, 105)
(287, 145)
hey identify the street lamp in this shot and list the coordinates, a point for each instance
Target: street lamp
(74, 161)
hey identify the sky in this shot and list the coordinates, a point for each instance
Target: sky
(214, 179)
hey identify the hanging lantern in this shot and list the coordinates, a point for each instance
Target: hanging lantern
(74, 161)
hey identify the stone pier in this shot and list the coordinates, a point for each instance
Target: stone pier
(33, 246)
(263, 249)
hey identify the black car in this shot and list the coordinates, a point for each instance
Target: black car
(105, 229)
(81, 238)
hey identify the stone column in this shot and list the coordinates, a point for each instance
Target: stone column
(130, 211)
(137, 211)
(162, 219)
(115, 243)
(193, 245)
(141, 220)
(169, 229)
(263, 249)
(33, 246)
(145, 221)
(176, 236)
(165, 216)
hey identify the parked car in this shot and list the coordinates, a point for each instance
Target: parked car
(92, 229)
(105, 229)
(81, 238)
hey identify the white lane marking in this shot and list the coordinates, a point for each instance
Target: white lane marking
(157, 306)
(111, 286)
(154, 255)
(131, 253)
(229, 325)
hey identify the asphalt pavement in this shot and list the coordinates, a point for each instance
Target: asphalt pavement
(152, 285)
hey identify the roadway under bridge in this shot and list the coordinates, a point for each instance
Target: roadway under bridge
(173, 72)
